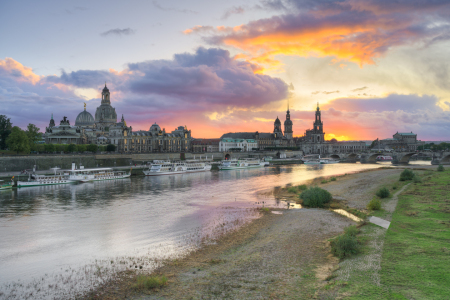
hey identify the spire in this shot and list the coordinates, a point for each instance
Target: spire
(105, 83)
(52, 117)
(318, 106)
(122, 118)
(288, 106)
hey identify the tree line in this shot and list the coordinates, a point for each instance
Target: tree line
(24, 141)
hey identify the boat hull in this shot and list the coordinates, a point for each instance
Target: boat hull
(6, 186)
(148, 173)
(37, 183)
(238, 168)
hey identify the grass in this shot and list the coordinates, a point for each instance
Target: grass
(302, 187)
(415, 258)
(265, 209)
(292, 189)
(144, 282)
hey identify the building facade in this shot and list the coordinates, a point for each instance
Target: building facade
(63, 133)
(205, 145)
(403, 141)
(232, 144)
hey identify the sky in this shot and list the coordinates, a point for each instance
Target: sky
(376, 67)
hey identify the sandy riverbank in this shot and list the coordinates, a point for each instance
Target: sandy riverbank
(278, 256)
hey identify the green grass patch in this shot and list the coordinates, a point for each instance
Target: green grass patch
(144, 282)
(302, 187)
(292, 189)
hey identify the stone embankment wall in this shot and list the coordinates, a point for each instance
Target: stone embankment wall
(64, 161)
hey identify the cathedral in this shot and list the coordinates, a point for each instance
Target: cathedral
(104, 129)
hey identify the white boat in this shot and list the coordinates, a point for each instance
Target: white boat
(35, 180)
(311, 162)
(328, 161)
(178, 167)
(6, 186)
(95, 174)
(241, 164)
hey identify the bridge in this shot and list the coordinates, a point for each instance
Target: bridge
(370, 158)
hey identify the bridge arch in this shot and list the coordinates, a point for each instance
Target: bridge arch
(445, 159)
(406, 157)
(373, 157)
(335, 156)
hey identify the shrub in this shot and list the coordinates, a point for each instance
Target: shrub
(383, 193)
(315, 197)
(265, 209)
(111, 148)
(394, 187)
(417, 179)
(150, 282)
(333, 178)
(345, 245)
(324, 181)
(302, 187)
(292, 190)
(374, 204)
(407, 174)
(440, 168)
(351, 230)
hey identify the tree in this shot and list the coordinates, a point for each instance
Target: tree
(18, 140)
(50, 148)
(81, 148)
(34, 136)
(72, 148)
(111, 148)
(5, 130)
(92, 148)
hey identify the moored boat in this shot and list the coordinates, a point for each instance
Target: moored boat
(6, 185)
(95, 174)
(384, 158)
(326, 161)
(35, 180)
(241, 164)
(178, 167)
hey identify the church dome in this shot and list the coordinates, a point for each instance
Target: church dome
(277, 121)
(84, 118)
(155, 127)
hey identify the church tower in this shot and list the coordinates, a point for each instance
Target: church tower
(106, 96)
(288, 124)
(318, 124)
(105, 115)
(278, 133)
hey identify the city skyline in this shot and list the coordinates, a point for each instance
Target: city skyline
(376, 67)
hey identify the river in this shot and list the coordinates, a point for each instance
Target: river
(50, 232)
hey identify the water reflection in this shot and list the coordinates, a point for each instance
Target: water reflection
(44, 229)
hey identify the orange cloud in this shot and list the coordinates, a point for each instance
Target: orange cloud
(13, 67)
(351, 31)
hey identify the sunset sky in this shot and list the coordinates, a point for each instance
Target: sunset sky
(376, 67)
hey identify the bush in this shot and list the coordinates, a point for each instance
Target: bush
(417, 179)
(292, 190)
(345, 245)
(315, 197)
(333, 178)
(150, 282)
(440, 168)
(302, 187)
(50, 148)
(407, 174)
(324, 181)
(383, 193)
(374, 204)
(394, 187)
(351, 230)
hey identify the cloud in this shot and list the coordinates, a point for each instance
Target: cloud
(186, 11)
(315, 93)
(327, 93)
(75, 9)
(352, 30)
(186, 88)
(235, 10)
(118, 32)
(359, 89)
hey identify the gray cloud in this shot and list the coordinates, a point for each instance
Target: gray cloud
(233, 11)
(327, 93)
(118, 32)
(75, 9)
(359, 89)
(186, 11)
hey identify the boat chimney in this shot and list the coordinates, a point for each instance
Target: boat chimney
(73, 166)
(34, 169)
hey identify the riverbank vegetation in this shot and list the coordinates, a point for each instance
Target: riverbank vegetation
(315, 197)
(411, 259)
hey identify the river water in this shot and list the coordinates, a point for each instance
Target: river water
(49, 232)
